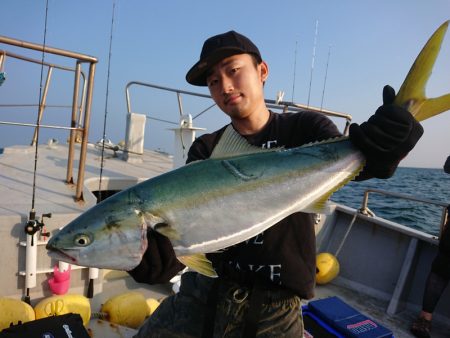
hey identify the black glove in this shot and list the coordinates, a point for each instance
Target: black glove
(159, 263)
(387, 137)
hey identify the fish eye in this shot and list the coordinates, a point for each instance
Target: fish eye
(82, 240)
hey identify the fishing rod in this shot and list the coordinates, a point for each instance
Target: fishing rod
(326, 74)
(312, 61)
(295, 70)
(93, 272)
(33, 225)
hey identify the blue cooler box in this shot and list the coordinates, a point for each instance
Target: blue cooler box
(331, 317)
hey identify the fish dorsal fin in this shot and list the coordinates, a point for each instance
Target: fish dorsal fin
(233, 144)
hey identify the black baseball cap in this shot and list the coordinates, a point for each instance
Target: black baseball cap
(215, 49)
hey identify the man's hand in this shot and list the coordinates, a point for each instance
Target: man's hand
(159, 263)
(387, 137)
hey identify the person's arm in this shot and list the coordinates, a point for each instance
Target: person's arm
(386, 137)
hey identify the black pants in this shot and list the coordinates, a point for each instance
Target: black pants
(439, 276)
(183, 314)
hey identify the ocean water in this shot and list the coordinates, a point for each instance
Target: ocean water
(432, 184)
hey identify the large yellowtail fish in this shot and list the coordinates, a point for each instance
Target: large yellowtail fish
(236, 194)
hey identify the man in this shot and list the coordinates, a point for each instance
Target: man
(261, 280)
(447, 165)
(437, 279)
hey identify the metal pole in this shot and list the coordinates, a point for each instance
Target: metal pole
(73, 122)
(43, 101)
(47, 49)
(2, 60)
(180, 106)
(82, 100)
(84, 141)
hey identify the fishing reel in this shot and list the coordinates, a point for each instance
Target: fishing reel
(33, 225)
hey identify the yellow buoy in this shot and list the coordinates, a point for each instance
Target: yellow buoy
(60, 305)
(129, 309)
(13, 311)
(327, 268)
(152, 305)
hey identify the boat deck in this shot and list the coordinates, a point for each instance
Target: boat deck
(376, 309)
(113, 282)
(372, 307)
(55, 196)
(383, 269)
(52, 193)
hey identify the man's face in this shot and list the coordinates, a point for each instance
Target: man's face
(236, 85)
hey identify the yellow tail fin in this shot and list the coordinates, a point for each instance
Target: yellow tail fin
(199, 263)
(412, 92)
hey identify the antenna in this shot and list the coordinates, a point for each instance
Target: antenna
(312, 62)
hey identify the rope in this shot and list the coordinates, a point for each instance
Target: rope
(366, 212)
(346, 234)
(102, 162)
(99, 315)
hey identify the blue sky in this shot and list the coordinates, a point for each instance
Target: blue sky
(372, 43)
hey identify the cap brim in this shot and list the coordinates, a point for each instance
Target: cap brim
(197, 74)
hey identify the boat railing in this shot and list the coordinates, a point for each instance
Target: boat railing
(185, 130)
(366, 211)
(277, 104)
(50, 67)
(80, 108)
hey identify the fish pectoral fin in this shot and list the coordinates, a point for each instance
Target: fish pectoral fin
(159, 224)
(167, 230)
(199, 263)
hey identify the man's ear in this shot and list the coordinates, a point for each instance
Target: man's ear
(264, 71)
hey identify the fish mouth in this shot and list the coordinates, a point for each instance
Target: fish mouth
(60, 255)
